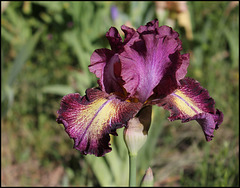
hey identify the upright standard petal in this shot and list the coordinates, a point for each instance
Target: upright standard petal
(146, 62)
(106, 66)
(192, 102)
(153, 60)
(90, 119)
(105, 63)
(174, 73)
(114, 39)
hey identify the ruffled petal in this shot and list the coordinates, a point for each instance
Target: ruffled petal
(90, 119)
(98, 62)
(152, 59)
(192, 102)
(175, 72)
(114, 39)
(130, 34)
(147, 62)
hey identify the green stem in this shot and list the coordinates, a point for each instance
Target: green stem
(132, 169)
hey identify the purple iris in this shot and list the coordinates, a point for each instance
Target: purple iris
(114, 12)
(144, 69)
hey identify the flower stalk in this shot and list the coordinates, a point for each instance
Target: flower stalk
(132, 170)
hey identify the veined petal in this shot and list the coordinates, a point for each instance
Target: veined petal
(192, 102)
(90, 119)
(147, 62)
(153, 60)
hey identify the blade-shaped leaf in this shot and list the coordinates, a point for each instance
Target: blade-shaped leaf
(23, 56)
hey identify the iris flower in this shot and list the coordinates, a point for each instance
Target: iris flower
(144, 69)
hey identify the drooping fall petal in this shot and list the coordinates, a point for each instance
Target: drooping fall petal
(192, 102)
(90, 119)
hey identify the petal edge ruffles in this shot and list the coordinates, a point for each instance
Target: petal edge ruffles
(192, 102)
(90, 119)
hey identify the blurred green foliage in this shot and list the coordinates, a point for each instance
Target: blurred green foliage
(46, 49)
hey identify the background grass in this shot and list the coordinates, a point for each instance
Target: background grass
(46, 48)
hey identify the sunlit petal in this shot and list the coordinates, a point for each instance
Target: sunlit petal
(192, 102)
(90, 119)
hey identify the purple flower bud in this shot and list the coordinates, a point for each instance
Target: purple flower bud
(114, 12)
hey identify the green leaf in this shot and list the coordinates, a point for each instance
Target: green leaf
(234, 45)
(101, 170)
(22, 57)
(72, 39)
(58, 89)
(118, 166)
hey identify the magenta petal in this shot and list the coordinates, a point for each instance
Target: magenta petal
(150, 60)
(114, 39)
(192, 102)
(209, 123)
(184, 62)
(105, 63)
(98, 62)
(175, 72)
(90, 119)
(130, 33)
(149, 27)
(106, 66)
